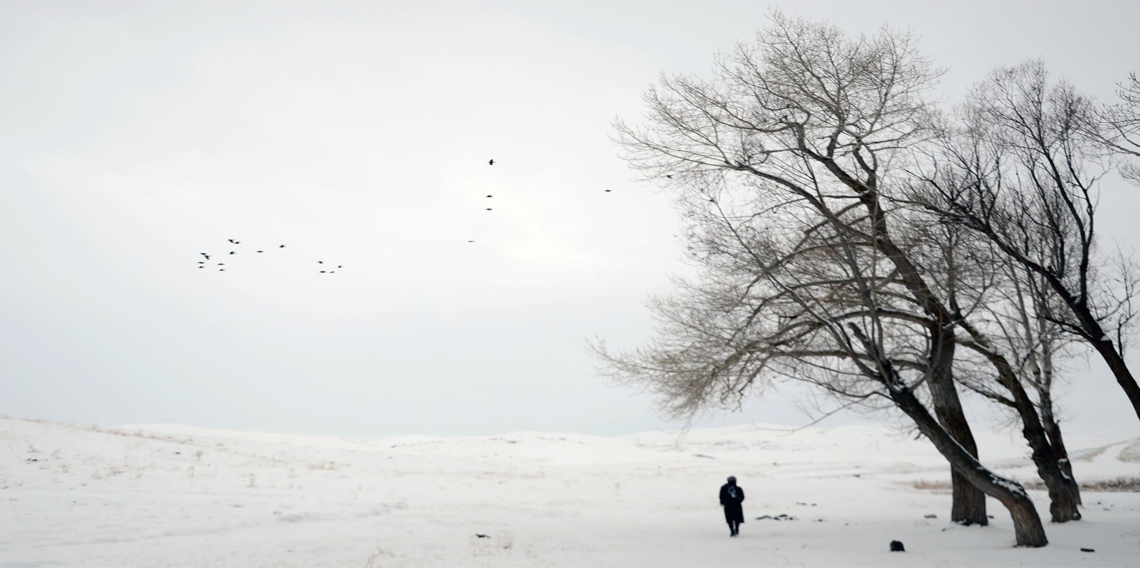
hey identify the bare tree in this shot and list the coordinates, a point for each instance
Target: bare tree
(786, 295)
(1032, 195)
(817, 125)
(1118, 127)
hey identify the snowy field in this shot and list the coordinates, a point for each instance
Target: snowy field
(163, 495)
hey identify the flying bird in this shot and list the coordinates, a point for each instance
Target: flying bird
(470, 241)
(322, 272)
(260, 251)
(488, 209)
(607, 191)
(320, 262)
(233, 252)
(669, 176)
(477, 535)
(282, 246)
(491, 163)
(205, 255)
(340, 266)
(490, 196)
(235, 242)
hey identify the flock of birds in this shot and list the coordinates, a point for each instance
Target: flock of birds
(327, 269)
(235, 244)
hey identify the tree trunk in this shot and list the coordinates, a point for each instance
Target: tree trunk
(1119, 368)
(1062, 488)
(968, 505)
(1027, 526)
(1053, 432)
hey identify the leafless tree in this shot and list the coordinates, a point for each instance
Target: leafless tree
(1027, 182)
(1118, 127)
(816, 125)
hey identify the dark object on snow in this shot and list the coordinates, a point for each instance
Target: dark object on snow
(282, 246)
(490, 196)
(233, 252)
(260, 251)
(897, 546)
(491, 163)
(477, 535)
(780, 517)
(731, 497)
(930, 516)
(1088, 550)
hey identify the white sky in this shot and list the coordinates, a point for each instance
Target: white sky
(135, 135)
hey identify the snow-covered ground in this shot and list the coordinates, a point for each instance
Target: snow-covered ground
(163, 495)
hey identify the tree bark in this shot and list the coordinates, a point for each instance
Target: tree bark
(1056, 441)
(1027, 526)
(1053, 431)
(1119, 369)
(968, 505)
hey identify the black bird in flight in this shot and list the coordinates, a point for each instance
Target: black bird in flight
(490, 196)
(260, 251)
(491, 163)
(488, 209)
(322, 272)
(340, 266)
(233, 252)
(477, 535)
(320, 262)
(470, 241)
(205, 255)
(282, 246)
(201, 266)
(607, 191)
(221, 270)
(669, 176)
(221, 264)
(235, 242)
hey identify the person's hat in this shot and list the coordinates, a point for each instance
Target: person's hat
(731, 479)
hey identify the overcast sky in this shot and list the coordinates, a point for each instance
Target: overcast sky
(134, 136)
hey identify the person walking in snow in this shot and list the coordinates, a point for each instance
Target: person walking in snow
(731, 496)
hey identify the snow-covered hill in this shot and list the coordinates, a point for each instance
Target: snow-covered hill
(165, 495)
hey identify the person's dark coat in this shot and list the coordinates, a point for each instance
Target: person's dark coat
(731, 496)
